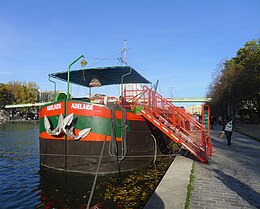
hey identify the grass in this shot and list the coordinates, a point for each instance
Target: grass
(190, 187)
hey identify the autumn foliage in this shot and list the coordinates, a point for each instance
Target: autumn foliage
(235, 89)
(15, 92)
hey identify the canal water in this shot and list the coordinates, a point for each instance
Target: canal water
(24, 185)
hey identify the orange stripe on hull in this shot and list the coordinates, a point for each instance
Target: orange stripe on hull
(90, 137)
(85, 109)
(131, 116)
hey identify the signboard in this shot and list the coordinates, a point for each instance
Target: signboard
(206, 119)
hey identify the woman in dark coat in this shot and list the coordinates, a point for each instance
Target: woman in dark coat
(228, 128)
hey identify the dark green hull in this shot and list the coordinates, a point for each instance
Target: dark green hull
(63, 153)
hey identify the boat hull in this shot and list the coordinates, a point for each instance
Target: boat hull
(62, 152)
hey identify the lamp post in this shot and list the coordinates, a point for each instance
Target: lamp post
(68, 88)
(66, 108)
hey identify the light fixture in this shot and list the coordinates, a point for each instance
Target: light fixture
(83, 63)
(94, 82)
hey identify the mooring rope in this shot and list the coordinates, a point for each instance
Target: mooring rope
(123, 133)
(97, 171)
(155, 148)
(113, 149)
(113, 145)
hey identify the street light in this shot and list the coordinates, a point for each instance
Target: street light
(83, 63)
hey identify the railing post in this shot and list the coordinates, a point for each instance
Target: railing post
(164, 106)
(153, 105)
(173, 116)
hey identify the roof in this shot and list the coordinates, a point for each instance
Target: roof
(106, 76)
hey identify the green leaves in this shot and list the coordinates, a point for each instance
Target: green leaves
(238, 81)
(16, 92)
(5, 96)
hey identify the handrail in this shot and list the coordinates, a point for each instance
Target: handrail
(177, 118)
(134, 98)
(184, 121)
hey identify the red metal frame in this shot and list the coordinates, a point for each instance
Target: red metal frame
(209, 145)
(166, 116)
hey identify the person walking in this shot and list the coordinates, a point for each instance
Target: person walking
(212, 121)
(220, 120)
(228, 129)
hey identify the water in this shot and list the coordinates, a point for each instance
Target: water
(24, 185)
(19, 165)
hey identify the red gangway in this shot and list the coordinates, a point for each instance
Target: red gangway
(173, 121)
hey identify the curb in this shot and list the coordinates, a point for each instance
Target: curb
(172, 190)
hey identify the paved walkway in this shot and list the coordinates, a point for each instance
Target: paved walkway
(231, 179)
(252, 130)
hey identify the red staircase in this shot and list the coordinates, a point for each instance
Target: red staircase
(173, 121)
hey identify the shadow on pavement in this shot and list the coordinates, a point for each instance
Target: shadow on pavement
(243, 190)
(155, 202)
(246, 152)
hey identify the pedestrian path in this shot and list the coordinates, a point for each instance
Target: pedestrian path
(252, 130)
(231, 178)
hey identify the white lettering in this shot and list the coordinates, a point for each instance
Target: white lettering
(81, 106)
(54, 107)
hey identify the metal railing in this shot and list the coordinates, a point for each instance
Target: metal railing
(175, 118)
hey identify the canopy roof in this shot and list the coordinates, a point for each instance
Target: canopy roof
(106, 76)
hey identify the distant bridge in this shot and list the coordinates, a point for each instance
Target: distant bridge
(189, 99)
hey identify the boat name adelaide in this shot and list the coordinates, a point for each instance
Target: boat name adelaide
(54, 107)
(81, 106)
(78, 106)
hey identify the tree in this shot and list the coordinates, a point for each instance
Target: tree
(5, 96)
(237, 84)
(16, 92)
(23, 92)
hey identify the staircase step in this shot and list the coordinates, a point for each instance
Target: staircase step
(178, 129)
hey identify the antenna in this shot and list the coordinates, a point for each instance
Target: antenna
(123, 60)
(125, 63)
(156, 85)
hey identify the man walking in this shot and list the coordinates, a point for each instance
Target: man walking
(228, 128)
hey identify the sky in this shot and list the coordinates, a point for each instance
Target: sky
(178, 42)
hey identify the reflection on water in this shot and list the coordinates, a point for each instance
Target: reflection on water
(61, 190)
(19, 165)
(23, 185)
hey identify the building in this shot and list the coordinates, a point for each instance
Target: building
(195, 109)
